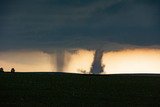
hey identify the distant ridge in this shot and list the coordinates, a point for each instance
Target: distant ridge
(121, 74)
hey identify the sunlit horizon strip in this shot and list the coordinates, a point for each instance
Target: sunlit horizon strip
(116, 62)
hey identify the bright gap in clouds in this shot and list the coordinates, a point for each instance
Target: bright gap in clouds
(132, 61)
(116, 62)
(26, 61)
(80, 61)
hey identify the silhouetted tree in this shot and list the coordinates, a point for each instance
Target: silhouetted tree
(12, 70)
(1, 70)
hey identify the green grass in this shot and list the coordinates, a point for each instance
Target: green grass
(60, 90)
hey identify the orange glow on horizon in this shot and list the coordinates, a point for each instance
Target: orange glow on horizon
(26, 61)
(116, 62)
(132, 61)
(82, 60)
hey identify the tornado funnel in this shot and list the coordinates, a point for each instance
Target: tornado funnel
(97, 66)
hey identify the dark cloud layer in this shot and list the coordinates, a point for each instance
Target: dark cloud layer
(42, 24)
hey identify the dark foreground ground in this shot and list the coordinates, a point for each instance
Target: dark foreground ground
(66, 90)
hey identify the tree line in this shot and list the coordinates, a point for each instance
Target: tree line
(2, 70)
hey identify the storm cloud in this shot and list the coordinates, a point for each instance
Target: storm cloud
(90, 24)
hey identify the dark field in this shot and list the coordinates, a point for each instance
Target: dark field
(66, 90)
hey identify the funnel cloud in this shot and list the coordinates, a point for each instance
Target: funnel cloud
(97, 66)
(60, 60)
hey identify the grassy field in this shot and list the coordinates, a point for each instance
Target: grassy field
(66, 90)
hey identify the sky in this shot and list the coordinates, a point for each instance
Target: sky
(63, 33)
(115, 62)
(87, 24)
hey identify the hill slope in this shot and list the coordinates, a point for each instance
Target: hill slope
(59, 90)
